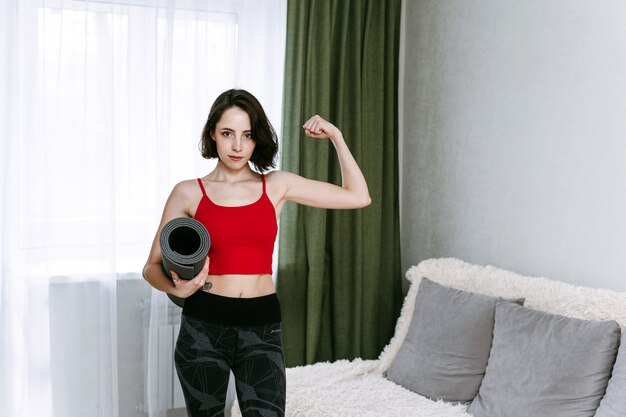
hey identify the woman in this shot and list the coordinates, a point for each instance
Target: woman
(231, 317)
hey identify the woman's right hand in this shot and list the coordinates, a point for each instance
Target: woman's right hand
(184, 288)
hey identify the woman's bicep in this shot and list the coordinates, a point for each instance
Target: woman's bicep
(320, 194)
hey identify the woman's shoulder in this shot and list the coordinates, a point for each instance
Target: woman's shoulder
(186, 190)
(280, 182)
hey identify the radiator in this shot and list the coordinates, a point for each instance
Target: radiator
(79, 344)
(166, 341)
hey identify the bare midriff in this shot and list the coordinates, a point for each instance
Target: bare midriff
(241, 286)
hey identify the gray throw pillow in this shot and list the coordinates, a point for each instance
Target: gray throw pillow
(445, 352)
(545, 365)
(614, 402)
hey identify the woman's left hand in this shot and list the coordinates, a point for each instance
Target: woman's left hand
(317, 127)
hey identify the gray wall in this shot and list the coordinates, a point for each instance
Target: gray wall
(514, 136)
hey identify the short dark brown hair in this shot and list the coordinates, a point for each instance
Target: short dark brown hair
(264, 154)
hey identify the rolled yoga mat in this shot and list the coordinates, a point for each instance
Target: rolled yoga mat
(185, 244)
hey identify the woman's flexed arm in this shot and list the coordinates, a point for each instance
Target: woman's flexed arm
(353, 192)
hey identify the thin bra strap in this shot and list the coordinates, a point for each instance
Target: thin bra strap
(263, 180)
(202, 187)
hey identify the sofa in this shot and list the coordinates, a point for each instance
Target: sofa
(480, 341)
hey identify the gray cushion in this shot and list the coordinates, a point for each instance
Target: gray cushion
(445, 352)
(546, 365)
(614, 402)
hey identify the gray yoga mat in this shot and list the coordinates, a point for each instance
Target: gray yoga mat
(185, 244)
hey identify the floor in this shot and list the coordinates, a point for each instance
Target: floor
(181, 412)
(178, 412)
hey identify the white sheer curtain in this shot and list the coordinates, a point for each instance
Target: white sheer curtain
(101, 109)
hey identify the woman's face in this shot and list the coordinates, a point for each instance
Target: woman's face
(233, 137)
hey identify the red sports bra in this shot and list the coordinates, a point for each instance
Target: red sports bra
(242, 237)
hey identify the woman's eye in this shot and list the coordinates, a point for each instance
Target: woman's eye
(248, 136)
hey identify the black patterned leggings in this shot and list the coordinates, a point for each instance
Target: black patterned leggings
(205, 354)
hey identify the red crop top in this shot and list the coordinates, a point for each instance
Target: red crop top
(242, 237)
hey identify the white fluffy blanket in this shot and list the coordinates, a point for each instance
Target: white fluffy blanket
(358, 388)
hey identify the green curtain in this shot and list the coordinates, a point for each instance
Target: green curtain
(339, 277)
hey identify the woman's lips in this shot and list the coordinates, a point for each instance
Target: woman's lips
(235, 158)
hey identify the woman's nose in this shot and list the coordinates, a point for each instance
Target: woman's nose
(237, 145)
